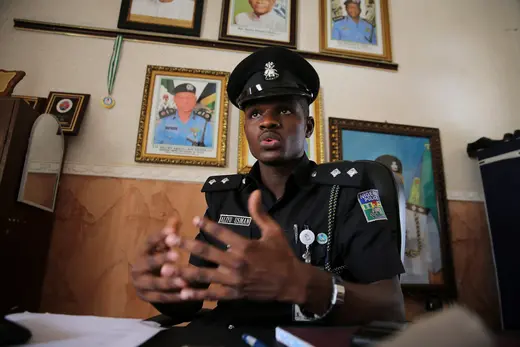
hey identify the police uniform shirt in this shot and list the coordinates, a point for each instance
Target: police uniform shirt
(346, 29)
(171, 130)
(270, 21)
(362, 252)
(178, 9)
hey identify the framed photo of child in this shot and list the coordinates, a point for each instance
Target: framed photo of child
(267, 22)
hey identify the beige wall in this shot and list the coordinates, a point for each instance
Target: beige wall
(458, 71)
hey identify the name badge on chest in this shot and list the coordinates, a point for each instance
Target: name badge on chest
(231, 219)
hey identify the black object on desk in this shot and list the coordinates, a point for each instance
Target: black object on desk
(12, 333)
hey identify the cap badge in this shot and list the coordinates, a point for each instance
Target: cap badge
(190, 87)
(270, 72)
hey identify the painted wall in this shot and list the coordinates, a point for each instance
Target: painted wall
(458, 71)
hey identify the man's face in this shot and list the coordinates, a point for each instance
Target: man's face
(261, 7)
(353, 10)
(276, 129)
(185, 101)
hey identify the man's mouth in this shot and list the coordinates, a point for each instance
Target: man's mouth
(270, 140)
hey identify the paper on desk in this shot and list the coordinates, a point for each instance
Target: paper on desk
(66, 330)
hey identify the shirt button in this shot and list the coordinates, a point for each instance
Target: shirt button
(314, 174)
(231, 327)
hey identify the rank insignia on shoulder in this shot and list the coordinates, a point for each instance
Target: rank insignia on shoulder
(335, 19)
(344, 173)
(371, 205)
(221, 183)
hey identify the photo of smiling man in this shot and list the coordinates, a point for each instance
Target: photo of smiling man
(263, 20)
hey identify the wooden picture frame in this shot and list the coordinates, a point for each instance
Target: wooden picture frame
(240, 23)
(69, 109)
(9, 80)
(182, 17)
(164, 137)
(35, 102)
(368, 39)
(414, 155)
(316, 142)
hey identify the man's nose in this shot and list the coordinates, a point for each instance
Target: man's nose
(269, 122)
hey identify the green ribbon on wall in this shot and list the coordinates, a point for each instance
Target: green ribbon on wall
(108, 101)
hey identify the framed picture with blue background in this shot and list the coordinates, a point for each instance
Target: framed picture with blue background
(414, 155)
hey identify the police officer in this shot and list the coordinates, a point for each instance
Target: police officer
(262, 16)
(288, 243)
(352, 27)
(185, 126)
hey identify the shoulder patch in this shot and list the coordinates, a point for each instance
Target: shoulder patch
(222, 183)
(342, 173)
(370, 203)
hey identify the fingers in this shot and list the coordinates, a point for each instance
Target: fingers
(151, 263)
(172, 226)
(208, 252)
(145, 283)
(233, 240)
(267, 225)
(212, 293)
(203, 275)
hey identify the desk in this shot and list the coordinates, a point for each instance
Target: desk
(65, 330)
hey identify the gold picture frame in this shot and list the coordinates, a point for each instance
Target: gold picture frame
(369, 39)
(315, 142)
(164, 137)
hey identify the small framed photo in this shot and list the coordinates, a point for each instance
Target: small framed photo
(267, 22)
(314, 146)
(358, 28)
(69, 108)
(183, 117)
(414, 155)
(180, 17)
(35, 102)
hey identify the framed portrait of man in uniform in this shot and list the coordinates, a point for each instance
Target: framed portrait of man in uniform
(314, 146)
(358, 28)
(180, 17)
(183, 117)
(269, 22)
(413, 154)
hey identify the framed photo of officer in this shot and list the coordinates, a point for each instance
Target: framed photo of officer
(314, 146)
(266, 22)
(414, 156)
(180, 17)
(183, 117)
(358, 28)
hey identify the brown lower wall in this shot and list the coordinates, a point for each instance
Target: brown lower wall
(101, 223)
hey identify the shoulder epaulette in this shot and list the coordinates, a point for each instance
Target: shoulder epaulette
(336, 19)
(204, 113)
(222, 183)
(342, 173)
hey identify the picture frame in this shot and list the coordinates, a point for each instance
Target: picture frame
(184, 117)
(315, 142)
(8, 81)
(69, 109)
(414, 155)
(178, 17)
(276, 25)
(35, 102)
(369, 38)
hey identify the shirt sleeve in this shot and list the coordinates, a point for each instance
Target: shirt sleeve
(372, 253)
(208, 136)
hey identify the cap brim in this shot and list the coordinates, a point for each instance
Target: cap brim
(275, 92)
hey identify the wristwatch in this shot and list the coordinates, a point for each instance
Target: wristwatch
(337, 299)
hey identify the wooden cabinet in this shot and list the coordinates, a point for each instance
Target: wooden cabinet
(25, 230)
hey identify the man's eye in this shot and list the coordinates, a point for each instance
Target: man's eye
(254, 115)
(285, 111)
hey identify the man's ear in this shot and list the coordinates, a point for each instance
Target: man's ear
(309, 127)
